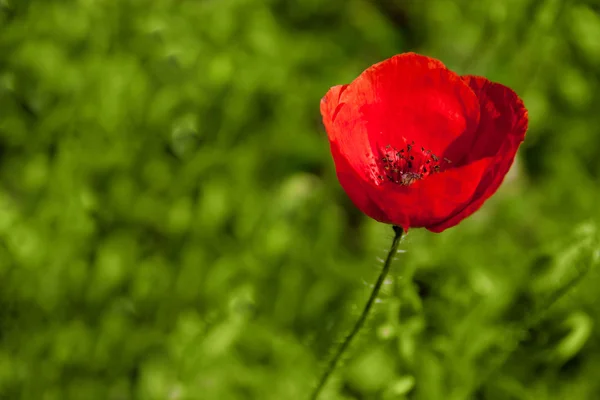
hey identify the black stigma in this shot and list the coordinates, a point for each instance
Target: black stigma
(407, 172)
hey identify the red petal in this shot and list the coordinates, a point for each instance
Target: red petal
(411, 97)
(357, 189)
(330, 105)
(501, 131)
(433, 199)
(354, 177)
(348, 136)
(503, 119)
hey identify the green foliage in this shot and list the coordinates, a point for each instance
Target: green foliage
(171, 226)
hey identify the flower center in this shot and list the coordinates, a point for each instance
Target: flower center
(407, 165)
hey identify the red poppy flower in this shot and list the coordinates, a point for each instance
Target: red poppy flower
(416, 145)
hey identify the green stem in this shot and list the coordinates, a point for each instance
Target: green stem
(361, 321)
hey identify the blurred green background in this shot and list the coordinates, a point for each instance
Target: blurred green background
(171, 226)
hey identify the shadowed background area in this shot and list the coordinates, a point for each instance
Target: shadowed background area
(171, 226)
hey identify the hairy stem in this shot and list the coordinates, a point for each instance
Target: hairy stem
(361, 321)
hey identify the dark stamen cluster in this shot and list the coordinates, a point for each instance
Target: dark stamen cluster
(407, 165)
